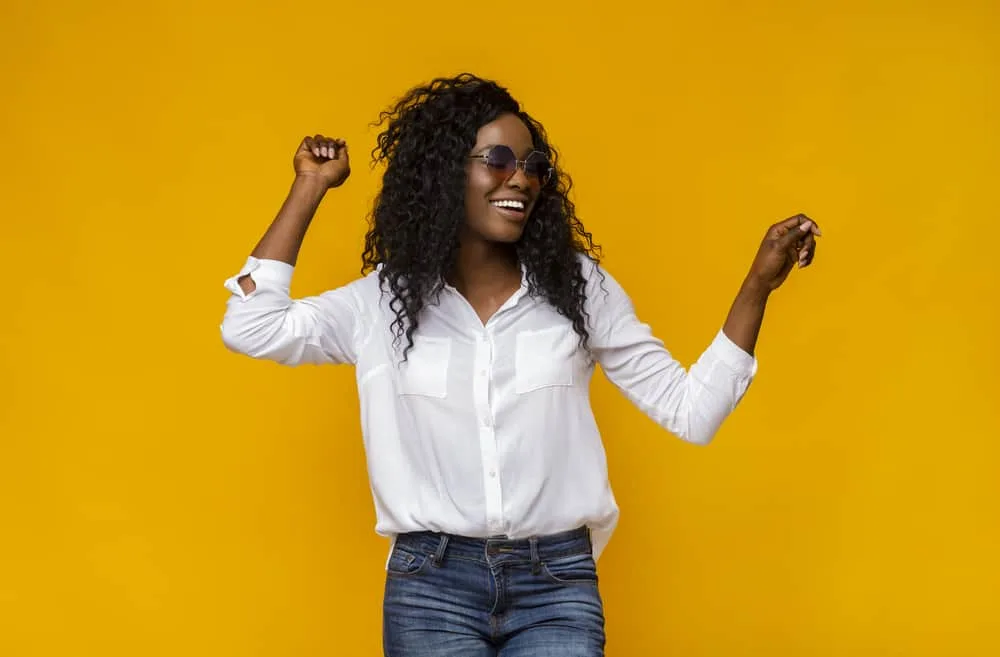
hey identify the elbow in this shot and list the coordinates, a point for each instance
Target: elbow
(690, 432)
(255, 328)
(235, 338)
(248, 336)
(701, 431)
(701, 422)
(261, 341)
(689, 422)
(699, 438)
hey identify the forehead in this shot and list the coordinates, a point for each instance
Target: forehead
(509, 130)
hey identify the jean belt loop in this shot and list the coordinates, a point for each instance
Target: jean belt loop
(438, 557)
(536, 563)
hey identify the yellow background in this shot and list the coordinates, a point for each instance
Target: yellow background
(162, 496)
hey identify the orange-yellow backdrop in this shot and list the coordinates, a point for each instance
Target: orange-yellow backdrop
(162, 496)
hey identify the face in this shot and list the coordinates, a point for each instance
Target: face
(497, 202)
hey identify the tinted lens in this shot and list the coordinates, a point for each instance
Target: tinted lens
(501, 158)
(537, 166)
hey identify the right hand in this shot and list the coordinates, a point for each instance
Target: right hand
(325, 158)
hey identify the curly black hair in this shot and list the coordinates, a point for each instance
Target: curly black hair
(417, 214)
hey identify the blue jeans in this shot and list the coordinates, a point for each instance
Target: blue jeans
(450, 596)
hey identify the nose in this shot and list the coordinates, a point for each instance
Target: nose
(518, 179)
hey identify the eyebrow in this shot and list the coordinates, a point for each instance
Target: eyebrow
(487, 147)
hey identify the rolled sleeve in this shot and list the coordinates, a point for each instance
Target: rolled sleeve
(732, 356)
(265, 273)
(268, 324)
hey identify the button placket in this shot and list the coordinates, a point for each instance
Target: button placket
(487, 436)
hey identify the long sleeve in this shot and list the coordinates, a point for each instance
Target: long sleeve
(269, 324)
(690, 404)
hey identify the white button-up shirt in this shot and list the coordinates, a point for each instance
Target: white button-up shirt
(487, 429)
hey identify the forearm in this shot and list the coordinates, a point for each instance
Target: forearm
(284, 236)
(746, 315)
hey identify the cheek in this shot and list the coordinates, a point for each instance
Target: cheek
(477, 193)
(479, 184)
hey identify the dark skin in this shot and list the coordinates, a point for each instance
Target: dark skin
(487, 272)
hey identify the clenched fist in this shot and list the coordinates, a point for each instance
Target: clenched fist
(787, 243)
(325, 158)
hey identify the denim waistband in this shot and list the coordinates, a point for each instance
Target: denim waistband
(552, 546)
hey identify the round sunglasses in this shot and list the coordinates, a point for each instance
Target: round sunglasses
(502, 163)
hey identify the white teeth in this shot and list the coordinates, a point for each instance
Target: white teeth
(517, 205)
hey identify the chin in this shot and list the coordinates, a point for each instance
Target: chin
(505, 234)
(494, 228)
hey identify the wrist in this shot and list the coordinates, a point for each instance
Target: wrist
(754, 291)
(309, 181)
(309, 188)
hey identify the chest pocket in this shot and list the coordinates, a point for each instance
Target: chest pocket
(425, 371)
(544, 358)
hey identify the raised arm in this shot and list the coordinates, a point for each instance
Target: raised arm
(261, 319)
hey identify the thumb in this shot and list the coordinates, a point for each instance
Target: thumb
(794, 234)
(341, 152)
(307, 145)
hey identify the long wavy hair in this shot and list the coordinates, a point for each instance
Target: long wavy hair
(417, 214)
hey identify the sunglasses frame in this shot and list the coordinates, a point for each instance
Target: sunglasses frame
(518, 164)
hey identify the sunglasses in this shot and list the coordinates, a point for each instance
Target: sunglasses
(502, 163)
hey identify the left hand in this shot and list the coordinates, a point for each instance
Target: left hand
(786, 243)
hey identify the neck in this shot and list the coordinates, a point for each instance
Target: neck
(484, 268)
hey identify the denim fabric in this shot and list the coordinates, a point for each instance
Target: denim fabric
(448, 596)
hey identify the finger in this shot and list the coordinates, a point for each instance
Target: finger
(794, 221)
(793, 235)
(307, 144)
(337, 148)
(814, 228)
(318, 142)
(808, 243)
(806, 249)
(810, 256)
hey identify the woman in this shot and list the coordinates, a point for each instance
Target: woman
(474, 335)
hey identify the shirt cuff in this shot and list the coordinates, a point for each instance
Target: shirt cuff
(733, 355)
(265, 273)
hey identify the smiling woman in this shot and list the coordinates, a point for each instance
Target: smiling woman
(475, 335)
(500, 195)
(503, 164)
(460, 129)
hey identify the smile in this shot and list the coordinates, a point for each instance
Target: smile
(509, 204)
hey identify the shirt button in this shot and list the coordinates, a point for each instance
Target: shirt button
(493, 474)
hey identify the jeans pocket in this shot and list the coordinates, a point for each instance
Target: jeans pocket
(573, 569)
(404, 563)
